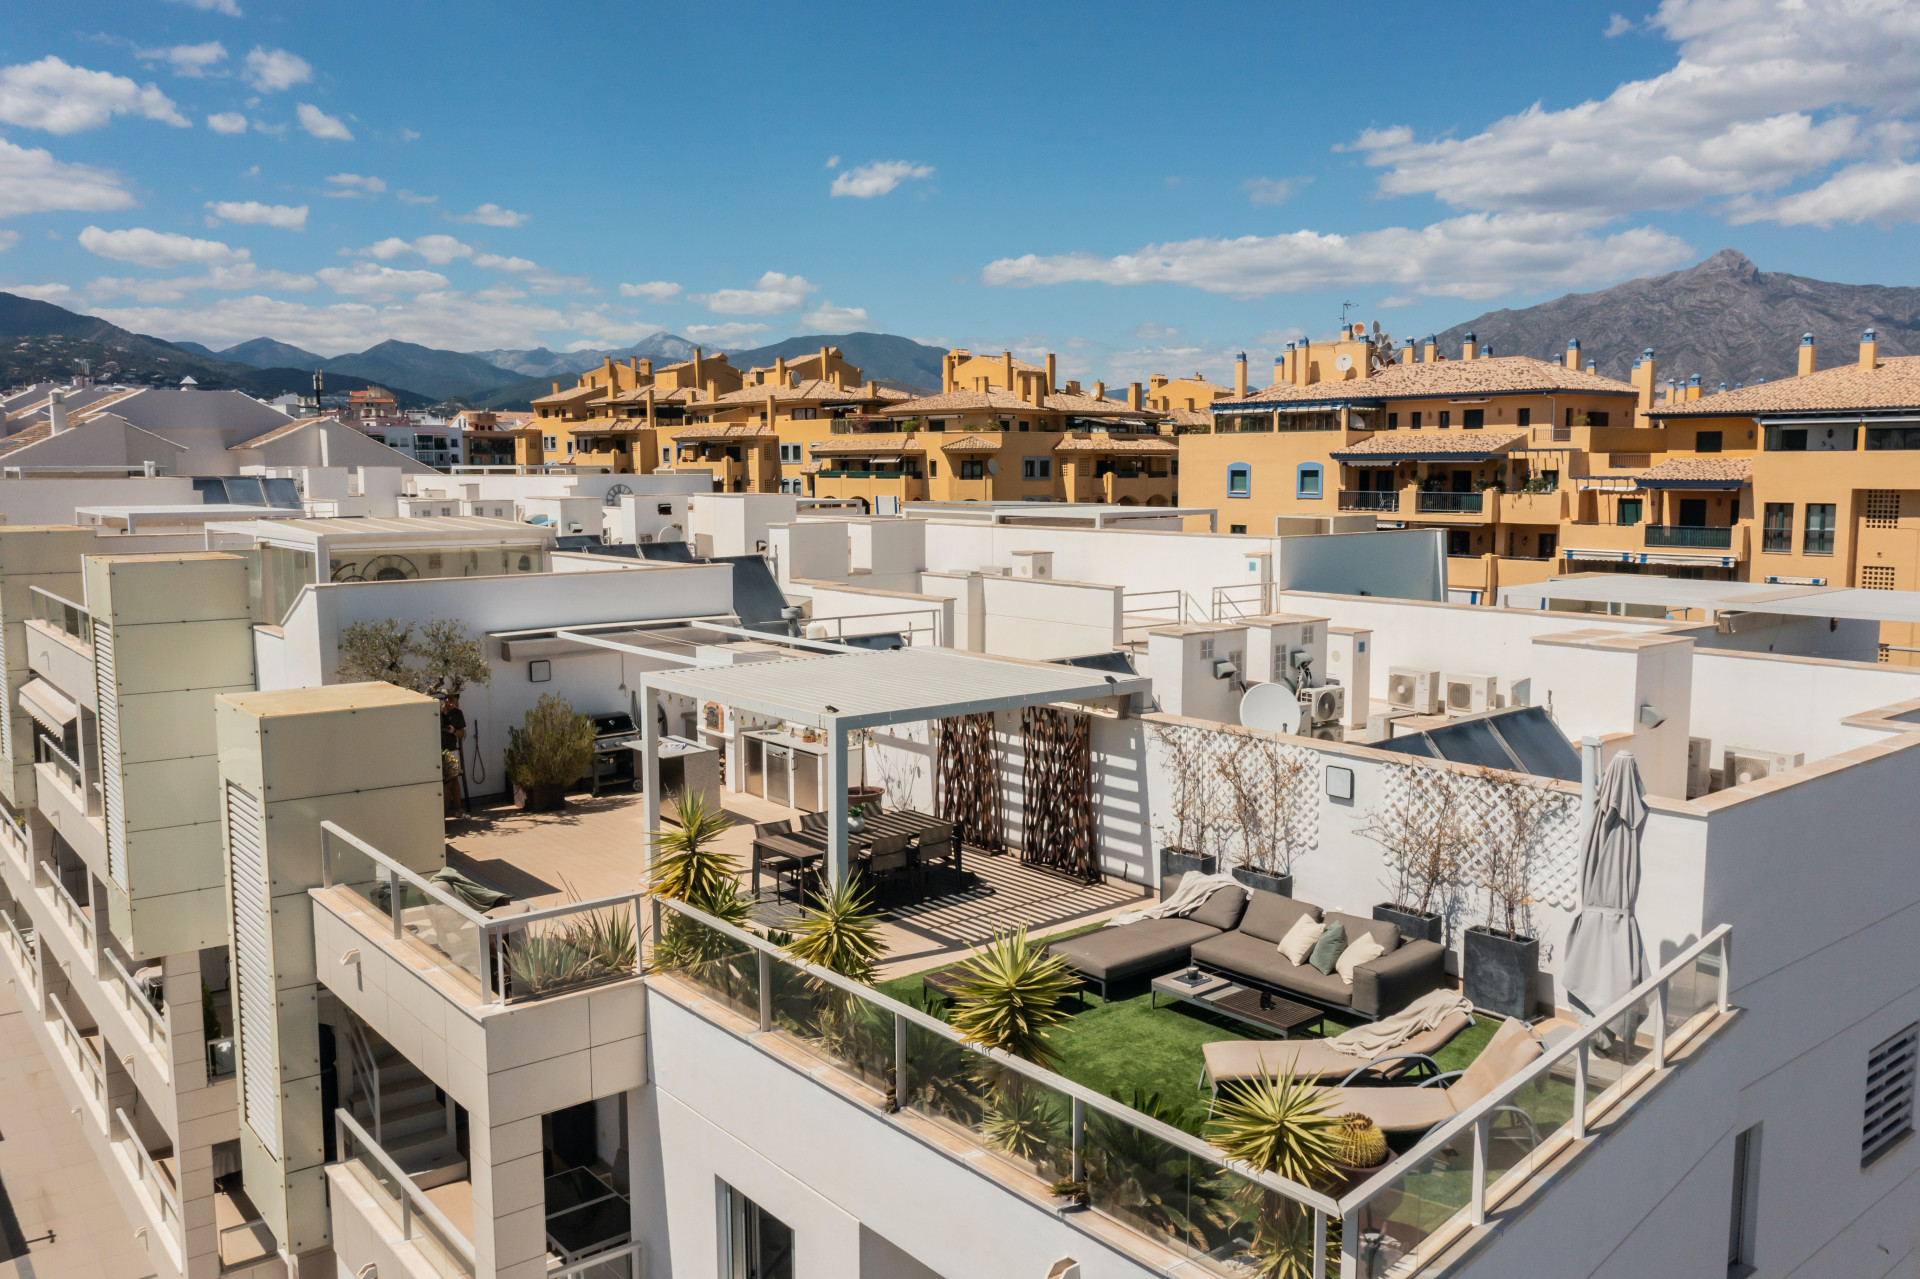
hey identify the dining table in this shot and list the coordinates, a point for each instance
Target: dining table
(808, 843)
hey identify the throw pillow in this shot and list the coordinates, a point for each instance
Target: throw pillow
(1326, 951)
(1300, 939)
(1364, 950)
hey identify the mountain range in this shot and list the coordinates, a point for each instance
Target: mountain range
(1724, 319)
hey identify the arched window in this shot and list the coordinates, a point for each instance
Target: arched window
(1239, 480)
(1307, 480)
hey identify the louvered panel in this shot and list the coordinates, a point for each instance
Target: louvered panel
(253, 969)
(108, 697)
(1890, 1082)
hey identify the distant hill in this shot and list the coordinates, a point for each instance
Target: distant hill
(265, 353)
(540, 362)
(895, 360)
(431, 372)
(1724, 319)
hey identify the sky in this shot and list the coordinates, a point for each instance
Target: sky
(1141, 188)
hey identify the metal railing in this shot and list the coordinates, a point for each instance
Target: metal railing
(1401, 1217)
(449, 1252)
(69, 906)
(62, 614)
(1369, 500)
(1718, 539)
(628, 1261)
(561, 948)
(26, 954)
(912, 632)
(1452, 503)
(152, 1178)
(45, 752)
(151, 1021)
(1248, 599)
(1140, 610)
(92, 1078)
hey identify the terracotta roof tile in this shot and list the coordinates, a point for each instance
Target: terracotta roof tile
(1154, 444)
(1894, 383)
(1440, 444)
(1441, 379)
(1699, 470)
(995, 400)
(732, 431)
(876, 442)
(972, 444)
(812, 390)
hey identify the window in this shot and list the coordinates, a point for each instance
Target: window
(1889, 1113)
(1472, 419)
(805, 415)
(666, 452)
(1549, 545)
(569, 446)
(1236, 528)
(1629, 511)
(1446, 418)
(1786, 439)
(933, 469)
(549, 442)
(1525, 418)
(1745, 1216)
(794, 486)
(1595, 419)
(1776, 532)
(1307, 480)
(1023, 426)
(1819, 535)
(1413, 420)
(1459, 541)
(1893, 437)
(1706, 442)
(973, 469)
(754, 1243)
(790, 452)
(1393, 421)
(1239, 480)
(1036, 468)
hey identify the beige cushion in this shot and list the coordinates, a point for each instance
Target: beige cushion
(1300, 939)
(1393, 1109)
(1359, 953)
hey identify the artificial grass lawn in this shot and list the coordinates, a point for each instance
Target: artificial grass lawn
(1120, 1047)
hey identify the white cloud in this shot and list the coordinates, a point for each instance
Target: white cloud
(190, 61)
(1273, 190)
(1764, 92)
(830, 317)
(1475, 256)
(254, 213)
(437, 249)
(270, 70)
(1617, 25)
(1883, 193)
(322, 125)
(1151, 332)
(365, 277)
(8, 239)
(410, 135)
(1389, 303)
(41, 292)
(227, 7)
(354, 186)
(32, 181)
(243, 275)
(775, 293)
(658, 290)
(408, 197)
(721, 334)
(534, 275)
(451, 320)
(144, 247)
(52, 95)
(493, 215)
(868, 180)
(497, 292)
(833, 162)
(227, 122)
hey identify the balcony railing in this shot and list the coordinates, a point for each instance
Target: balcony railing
(45, 752)
(25, 951)
(62, 614)
(156, 1185)
(1143, 610)
(69, 907)
(448, 1252)
(628, 1261)
(151, 1022)
(1369, 500)
(1452, 503)
(1396, 1222)
(1714, 539)
(543, 952)
(93, 1081)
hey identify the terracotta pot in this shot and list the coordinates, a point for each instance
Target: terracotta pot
(871, 796)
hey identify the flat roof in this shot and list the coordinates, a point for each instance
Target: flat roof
(389, 531)
(1790, 599)
(863, 690)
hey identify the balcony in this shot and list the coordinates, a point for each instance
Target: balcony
(1532, 508)
(870, 485)
(1452, 503)
(82, 1054)
(1369, 500)
(154, 1181)
(428, 1240)
(1710, 539)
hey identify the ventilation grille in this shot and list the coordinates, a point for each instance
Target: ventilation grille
(1883, 508)
(1876, 577)
(1889, 1114)
(253, 969)
(110, 768)
(6, 703)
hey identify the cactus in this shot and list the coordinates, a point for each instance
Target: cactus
(1358, 1143)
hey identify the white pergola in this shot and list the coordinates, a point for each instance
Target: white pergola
(846, 691)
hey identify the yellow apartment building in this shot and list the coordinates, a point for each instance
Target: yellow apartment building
(1818, 475)
(618, 415)
(805, 401)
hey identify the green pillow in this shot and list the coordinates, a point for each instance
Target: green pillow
(1326, 951)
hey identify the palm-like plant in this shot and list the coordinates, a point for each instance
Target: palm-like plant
(687, 863)
(840, 932)
(1156, 1182)
(1278, 1124)
(1009, 997)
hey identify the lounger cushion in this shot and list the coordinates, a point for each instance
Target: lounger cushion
(1394, 1109)
(1260, 960)
(1152, 945)
(1512, 1049)
(1231, 1059)
(1269, 915)
(1221, 910)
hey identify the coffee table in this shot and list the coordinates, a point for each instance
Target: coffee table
(1241, 1003)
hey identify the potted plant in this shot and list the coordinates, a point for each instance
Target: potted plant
(1280, 1124)
(1267, 791)
(1423, 838)
(1500, 959)
(1192, 802)
(867, 797)
(550, 750)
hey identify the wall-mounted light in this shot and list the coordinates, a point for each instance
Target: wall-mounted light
(540, 670)
(1339, 782)
(1651, 717)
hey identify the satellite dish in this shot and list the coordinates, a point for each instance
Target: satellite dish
(1343, 362)
(993, 466)
(1273, 707)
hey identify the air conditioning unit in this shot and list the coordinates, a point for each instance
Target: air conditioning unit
(1413, 690)
(1699, 766)
(1324, 705)
(1471, 694)
(1331, 732)
(1745, 764)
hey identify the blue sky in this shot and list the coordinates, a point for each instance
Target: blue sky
(1141, 188)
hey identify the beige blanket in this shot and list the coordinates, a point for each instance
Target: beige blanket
(1377, 1038)
(1190, 896)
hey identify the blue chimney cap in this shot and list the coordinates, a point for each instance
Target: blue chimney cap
(1489, 350)
(1470, 337)
(1738, 385)
(1806, 339)
(1593, 366)
(1289, 346)
(1431, 339)
(1647, 354)
(1573, 344)
(1723, 384)
(1694, 380)
(1867, 336)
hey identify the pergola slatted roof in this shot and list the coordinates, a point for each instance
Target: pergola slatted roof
(1789, 599)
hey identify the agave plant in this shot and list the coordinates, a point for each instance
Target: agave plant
(1022, 1118)
(840, 932)
(687, 863)
(1279, 1124)
(1155, 1182)
(1009, 998)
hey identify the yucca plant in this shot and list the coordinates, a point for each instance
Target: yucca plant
(1279, 1124)
(1009, 997)
(688, 864)
(840, 932)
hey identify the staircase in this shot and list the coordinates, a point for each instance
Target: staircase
(413, 1125)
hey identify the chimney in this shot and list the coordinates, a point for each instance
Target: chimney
(1469, 348)
(1642, 377)
(1407, 355)
(946, 371)
(556, 388)
(873, 389)
(1806, 354)
(1052, 370)
(1240, 377)
(1869, 352)
(780, 367)
(1693, 387)
(696, 367)
(1099, 390)
(1006, 368)
(57, 410)
(1133, 396)
(1283, 367)
(646, 366)
(1573, 353)
(1432, 350)
(1155, 382)
(1593, 367)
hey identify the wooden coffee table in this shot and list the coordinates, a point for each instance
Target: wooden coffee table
(1241, 1003)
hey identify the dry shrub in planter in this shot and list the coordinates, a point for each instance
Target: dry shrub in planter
(548, 752)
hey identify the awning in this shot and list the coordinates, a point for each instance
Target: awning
(1678, 559)
(48, 705)
(890, 457)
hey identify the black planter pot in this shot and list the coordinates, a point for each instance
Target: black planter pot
(542, 797)
(1414, 925)
(1498, 971)
(1281, 884)
(1179, 861)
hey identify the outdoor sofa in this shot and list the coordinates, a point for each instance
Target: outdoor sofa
(1236, 934)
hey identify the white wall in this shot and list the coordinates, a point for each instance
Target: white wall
(737, 523)
(1792, 703)
(932, 616)
(50, 501)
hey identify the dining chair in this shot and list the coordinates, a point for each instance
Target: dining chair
(887, 858)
